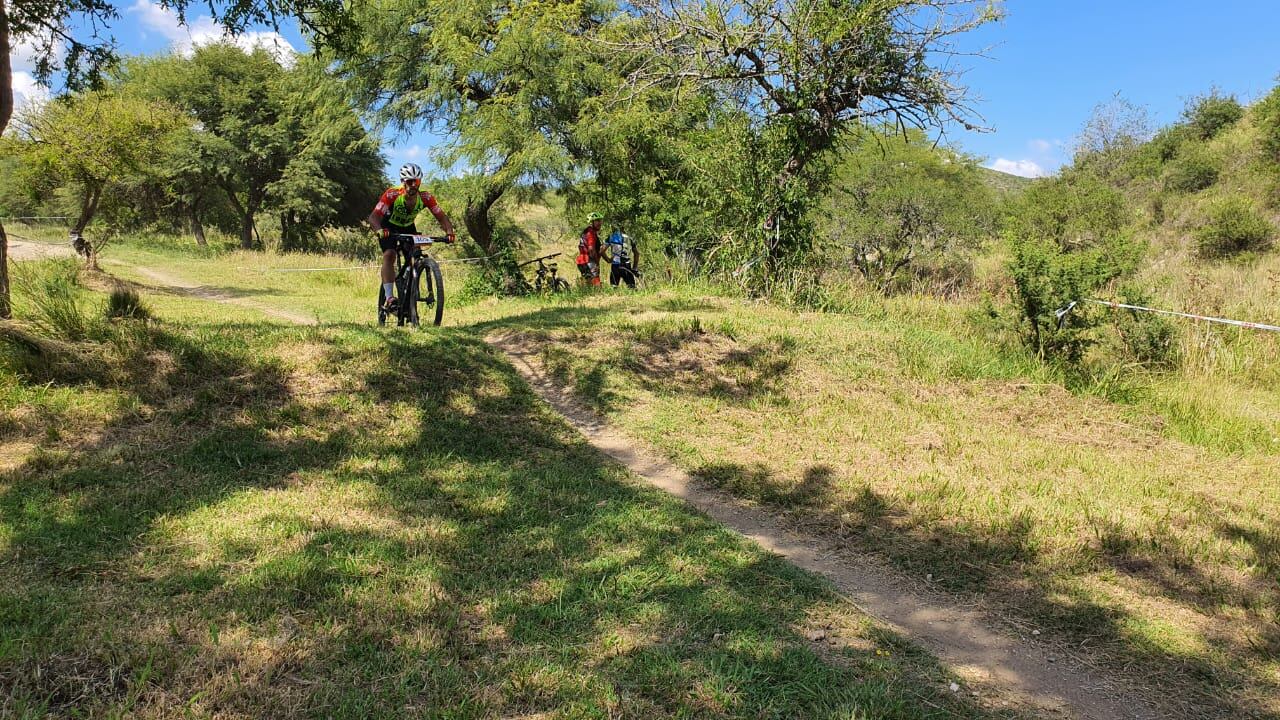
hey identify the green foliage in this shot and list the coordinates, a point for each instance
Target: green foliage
(1075, 210)
(101, 143)
(910, 213)
(51, 300)
(1047, 278)
(1210, 114)
(349, 242)
(125, 304)
(1195, 168)
(1145, 338)
(1267, 116)
(272, 138)
(1232, 226)
(1149, 160)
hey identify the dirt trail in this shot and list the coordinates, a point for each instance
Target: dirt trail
(1030, 672)
(24, 250)
(186, 287)
(1027, 672)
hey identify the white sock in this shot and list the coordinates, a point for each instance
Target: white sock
(388, 290)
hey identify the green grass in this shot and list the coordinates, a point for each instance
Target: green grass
(343, 522)
(1144, 528)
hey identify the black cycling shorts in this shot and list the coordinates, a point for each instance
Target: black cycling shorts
(390, 243)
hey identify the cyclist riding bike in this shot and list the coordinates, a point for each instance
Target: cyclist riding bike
(396, 214)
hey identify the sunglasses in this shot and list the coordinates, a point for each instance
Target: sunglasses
(412, 183)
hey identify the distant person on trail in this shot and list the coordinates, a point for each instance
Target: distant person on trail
(589, 250)
(396, 214)
(623, 259)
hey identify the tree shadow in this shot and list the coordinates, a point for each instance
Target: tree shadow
(426, 539)
(987, 564)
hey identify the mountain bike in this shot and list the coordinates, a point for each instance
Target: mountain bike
(418, 281)
(545, 276)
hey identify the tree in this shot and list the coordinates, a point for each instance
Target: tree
(806, 71)
(501, 78)
(72, 37)
(266, 135)
(98, 141)
(904, 207)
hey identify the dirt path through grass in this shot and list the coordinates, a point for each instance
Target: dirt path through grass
(1027, 671)
(966, 640)
(188, 288)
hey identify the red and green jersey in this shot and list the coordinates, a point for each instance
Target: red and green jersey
(399, 214)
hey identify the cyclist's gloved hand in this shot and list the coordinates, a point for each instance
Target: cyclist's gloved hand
(386, 232)
(451, 238)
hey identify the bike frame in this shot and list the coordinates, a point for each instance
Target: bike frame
(412, 262)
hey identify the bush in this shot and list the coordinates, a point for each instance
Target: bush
(1194, 169)
(1076, 210)
(1234, 226)
(1210, 114)
(1048, 277)
(349, 242)
(1145, 338)
(124, 304)
(1267, 115)
(49, 297)
(1150, 160)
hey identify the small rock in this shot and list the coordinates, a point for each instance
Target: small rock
(929, 577)
(955, 687)
(716, 636)
(1035, 632)
(1053, 659)
(816, 635)
(602, 503)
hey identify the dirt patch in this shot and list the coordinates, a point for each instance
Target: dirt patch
(190, 289)
(1026, 671)
(23, 250)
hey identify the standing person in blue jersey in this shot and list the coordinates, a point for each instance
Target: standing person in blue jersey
(397, 214)
(623, 259)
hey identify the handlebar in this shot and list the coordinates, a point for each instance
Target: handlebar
(417, 240)
(544, 257)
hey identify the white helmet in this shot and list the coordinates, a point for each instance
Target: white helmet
(409, 171)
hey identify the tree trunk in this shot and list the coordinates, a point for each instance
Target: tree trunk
(246, 231)
(197, 228)
(88, 207)
(6, 311)
(476, 218)
(6, 111)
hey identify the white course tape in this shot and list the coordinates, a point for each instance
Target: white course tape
(1206, 318)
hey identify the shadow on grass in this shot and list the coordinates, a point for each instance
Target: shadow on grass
(423, 539)
(971, 559)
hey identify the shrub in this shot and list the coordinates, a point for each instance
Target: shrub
(354, 243)
(1194, 169)
(1048, 277)
(51, 299)
(1144, 337)
(1233, 225)
(1150, 160)
(1210, 114)
(1076, 210)
(1267, 115)
(124, 303)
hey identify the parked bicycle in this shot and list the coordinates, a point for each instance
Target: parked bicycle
(418, 281)
(546, 277)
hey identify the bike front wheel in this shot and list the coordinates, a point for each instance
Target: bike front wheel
(560, 285)
(435, 286)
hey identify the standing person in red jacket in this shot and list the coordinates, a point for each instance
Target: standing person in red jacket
(589, 250)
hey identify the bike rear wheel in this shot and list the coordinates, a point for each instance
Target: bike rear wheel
(382, 306)
(560, 285)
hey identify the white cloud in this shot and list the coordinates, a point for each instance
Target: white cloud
(204, 30)
(1040, 146)
(415, 152)
(27, 91)
(1023, 168)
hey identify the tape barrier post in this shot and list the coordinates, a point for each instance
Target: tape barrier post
(1062, 313)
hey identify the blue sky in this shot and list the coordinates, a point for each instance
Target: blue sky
(1049, 63)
